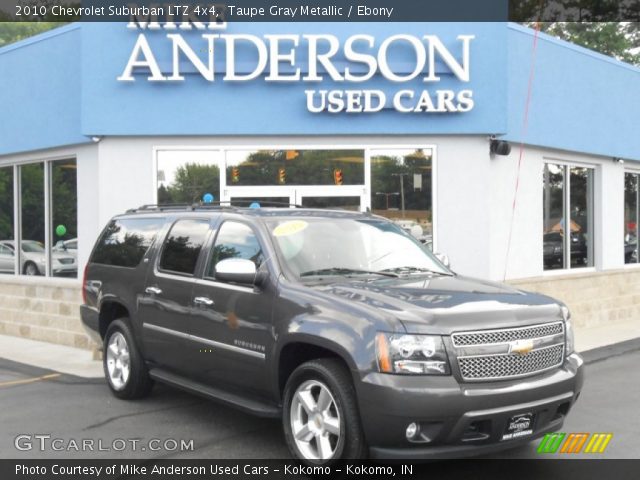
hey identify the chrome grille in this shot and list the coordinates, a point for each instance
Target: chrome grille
(487, 337)
(486, 367)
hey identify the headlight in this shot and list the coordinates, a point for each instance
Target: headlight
(411, 354)
(568, 330)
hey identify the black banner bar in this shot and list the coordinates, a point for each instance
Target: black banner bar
(323, 10)
(543, 469)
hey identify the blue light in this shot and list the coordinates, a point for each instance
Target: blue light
(208, 198)
(254, 205)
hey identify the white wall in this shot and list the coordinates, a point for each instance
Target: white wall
(525, 257)
(472, 208)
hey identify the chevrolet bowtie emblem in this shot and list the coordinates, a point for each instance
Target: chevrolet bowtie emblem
(521, 347)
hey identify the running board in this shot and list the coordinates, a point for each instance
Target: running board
(249, 405)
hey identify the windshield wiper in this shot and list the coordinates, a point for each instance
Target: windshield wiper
(346, 271)
(412, 269)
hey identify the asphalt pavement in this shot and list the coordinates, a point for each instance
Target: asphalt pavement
(43, 408)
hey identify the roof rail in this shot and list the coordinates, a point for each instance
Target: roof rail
(221, 205)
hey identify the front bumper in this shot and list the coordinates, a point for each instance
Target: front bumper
(462, 419)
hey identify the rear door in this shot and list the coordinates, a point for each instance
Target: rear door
(165, 307)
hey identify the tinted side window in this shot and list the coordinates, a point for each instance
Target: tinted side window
(235, 240)
(124, 242)
(183, 245)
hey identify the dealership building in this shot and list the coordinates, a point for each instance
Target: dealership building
(517, 155)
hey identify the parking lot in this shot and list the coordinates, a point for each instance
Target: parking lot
(72, 410)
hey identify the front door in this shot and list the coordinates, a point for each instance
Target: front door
(231, 322)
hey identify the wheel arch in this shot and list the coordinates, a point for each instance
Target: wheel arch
(301, 349)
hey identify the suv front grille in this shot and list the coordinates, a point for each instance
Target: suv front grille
(488, 367)
(487, 337)
(509, 352)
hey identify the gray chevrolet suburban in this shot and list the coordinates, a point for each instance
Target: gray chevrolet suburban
(340, 323)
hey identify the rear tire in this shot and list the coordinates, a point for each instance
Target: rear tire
(320, 416)
(124, 368)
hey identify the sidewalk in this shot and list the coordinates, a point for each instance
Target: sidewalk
(74, 361)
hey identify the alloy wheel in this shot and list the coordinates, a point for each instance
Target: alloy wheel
(118, 361)
(315, 421)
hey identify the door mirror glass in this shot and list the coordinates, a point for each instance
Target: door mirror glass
(236, 270)
(444, 259)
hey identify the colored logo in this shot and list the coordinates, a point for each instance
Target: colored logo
(574, 443)
(521, 347)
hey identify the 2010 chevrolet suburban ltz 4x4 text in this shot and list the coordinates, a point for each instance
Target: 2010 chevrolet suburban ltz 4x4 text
(341, 323)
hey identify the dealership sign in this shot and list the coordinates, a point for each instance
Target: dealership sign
(313, 58)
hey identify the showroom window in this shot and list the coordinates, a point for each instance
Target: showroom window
(401, 189)
(7, 260)
(295, 167)
(567, 194)
(186, 176)
(393, 182)
(45, 210)
(631, 216)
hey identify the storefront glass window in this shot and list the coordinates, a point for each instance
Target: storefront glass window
(581, 214)
(631, 217)
(33, 254)
(7, 257)
(64, 218)
(295, 167)
(567, 193)
(187, 176)
(401, 189)
(554, 207)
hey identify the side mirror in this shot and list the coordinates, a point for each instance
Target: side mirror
(236, 270)
(444, 259)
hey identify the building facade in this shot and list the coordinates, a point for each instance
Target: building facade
(397, 118)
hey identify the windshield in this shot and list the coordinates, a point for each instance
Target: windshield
(31, 246)
(312, 247)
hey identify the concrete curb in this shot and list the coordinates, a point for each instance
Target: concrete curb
(602, 353)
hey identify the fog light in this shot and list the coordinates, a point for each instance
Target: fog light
(412, 430)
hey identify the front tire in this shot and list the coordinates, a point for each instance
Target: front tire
(124, 367)
(320, 418)
(31, 269)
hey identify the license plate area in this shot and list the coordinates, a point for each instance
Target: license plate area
(519, 426)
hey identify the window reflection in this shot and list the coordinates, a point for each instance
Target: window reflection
(182, 246)
(401, 189)
(64, 218)
(186, 176)
(295, 167)
(578, 208)
(235, 240)
(7, 257)
(581, 195)
(33, 257)
(631, 217)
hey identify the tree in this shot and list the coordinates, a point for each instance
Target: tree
(620, 40)
(11, 32)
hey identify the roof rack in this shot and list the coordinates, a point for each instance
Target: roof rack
(221, 205)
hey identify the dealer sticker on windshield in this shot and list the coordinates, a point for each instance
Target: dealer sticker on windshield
(519, 426)
(289, 228)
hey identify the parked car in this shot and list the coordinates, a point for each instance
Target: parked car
(339, 323)
(33, 259)
(66, 245)
(553, 247)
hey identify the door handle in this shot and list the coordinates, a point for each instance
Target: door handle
(207, 302)
(153, 290)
